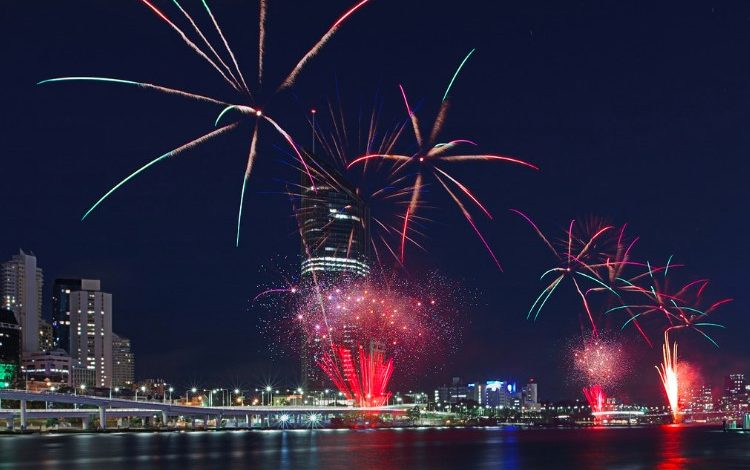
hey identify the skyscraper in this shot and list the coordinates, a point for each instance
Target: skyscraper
(123, 362)
(334, 225)
(21, 292)
(91, 331)
(61, 290)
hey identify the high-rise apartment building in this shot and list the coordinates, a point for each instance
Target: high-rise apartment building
(123, 362)
(21, 286)
(91, 331)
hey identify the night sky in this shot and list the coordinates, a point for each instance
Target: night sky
(636, 112)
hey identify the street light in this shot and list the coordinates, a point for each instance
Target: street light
(143, 390)
(171, 389)
(268, 390)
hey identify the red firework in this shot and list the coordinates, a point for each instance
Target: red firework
(367, 384)
(596, 397)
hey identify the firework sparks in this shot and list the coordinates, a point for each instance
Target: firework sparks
(233, 76)
(681, 308)
(319, 45)
(599, 360)
(596, 398)
(668, 374)
(585, 255)
(366, 385)
(426, 161)
(382, 309)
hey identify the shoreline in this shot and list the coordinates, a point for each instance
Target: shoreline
(517, 427)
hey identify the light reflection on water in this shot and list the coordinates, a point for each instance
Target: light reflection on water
(663, 448)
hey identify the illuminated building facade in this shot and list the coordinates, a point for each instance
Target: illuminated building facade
(454, 393)
(334, 226)
(499, 394)
(530, 395)
(123, 362)
(21, 291)
(10, 348)
(91, 331)
(43, 370)
(61, 290)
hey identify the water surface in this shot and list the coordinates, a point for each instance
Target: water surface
(665, 447)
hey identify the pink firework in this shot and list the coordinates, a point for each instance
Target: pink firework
(600, 360)
(411, 320)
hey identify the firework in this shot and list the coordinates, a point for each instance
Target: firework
(588, 253)
(651, 295)
(600, 360)
(596, 398)
(366, 384)
(668, 374)
(341, 136)
(427, 162)
(232, 75)
(411, 321)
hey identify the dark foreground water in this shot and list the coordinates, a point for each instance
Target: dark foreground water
(661, 448)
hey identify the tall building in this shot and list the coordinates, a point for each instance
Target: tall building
(735, 398)
(702, 400)
(334, 225)
(46, 336)
(10, 348)
(123, 362)
(91, 332)
(21, 292)
(530, 395)
(61, 290)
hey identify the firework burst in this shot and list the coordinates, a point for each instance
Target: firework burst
(599, 360)
(411, 320)
(429, 161)
(587, 254)
(224, 62)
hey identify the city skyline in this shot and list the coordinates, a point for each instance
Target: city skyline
(172, 254)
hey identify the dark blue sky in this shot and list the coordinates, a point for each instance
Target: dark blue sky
(635, 112)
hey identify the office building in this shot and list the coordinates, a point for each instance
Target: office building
(123, 362)
(91, 332)
(21, 286)
(334, 226)
(61, 290)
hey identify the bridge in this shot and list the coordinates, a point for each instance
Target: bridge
(87, 408)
